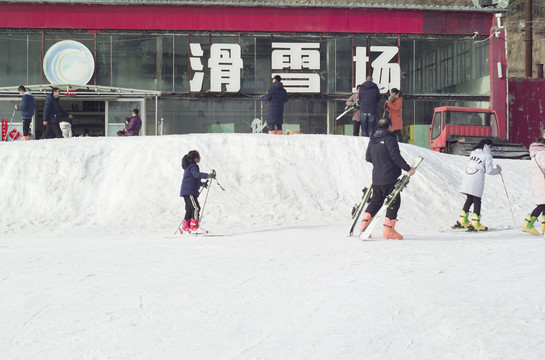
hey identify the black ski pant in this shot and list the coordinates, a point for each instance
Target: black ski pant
(192, 208)
(377, 200)
(475, 201)
(356, 126)
(271, 126)
(540, 209)
(52, 131)
(26, 126)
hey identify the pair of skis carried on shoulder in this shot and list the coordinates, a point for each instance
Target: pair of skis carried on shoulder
(367, 192)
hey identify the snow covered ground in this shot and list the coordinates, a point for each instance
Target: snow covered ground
(89, 268)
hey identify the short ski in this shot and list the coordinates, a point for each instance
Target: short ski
(358, 208)
(399, 186)
(346, 111)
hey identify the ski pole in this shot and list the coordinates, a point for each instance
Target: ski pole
(262, 127)
(204, 203)
(508, 200)
(10, 121)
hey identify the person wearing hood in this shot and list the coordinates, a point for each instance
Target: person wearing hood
(28, 105)
(537, 153)
(277, 96)
(52, 115)
(383, 152)
(478, 165)
(369, 97)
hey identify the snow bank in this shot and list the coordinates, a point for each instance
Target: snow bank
(132, 184)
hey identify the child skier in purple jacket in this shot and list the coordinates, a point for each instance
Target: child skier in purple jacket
(191, 184)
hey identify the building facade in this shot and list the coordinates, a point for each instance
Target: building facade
(202, 68)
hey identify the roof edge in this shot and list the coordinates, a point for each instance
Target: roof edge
(270, 4)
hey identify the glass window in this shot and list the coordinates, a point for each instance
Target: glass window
(20, 63)
(436, 130)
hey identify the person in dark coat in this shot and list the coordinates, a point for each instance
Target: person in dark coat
(277, 96)
(369, 97)
(28, 105)
(383, 152)
(52, 114)
(191, 183)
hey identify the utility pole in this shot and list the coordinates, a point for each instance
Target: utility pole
(528, 41)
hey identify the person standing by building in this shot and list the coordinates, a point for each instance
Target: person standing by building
(383, 152)
(478, 165)
(191, 182)
(394, 105)
(369, 97)
(537, 153)
(135, 123)
(277, 96)
(353, 100)
(27, 108)
(52, 114)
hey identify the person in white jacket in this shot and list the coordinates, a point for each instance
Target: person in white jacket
(537, 153)
(478, 165)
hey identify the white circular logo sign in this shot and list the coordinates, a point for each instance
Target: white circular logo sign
(69, 62)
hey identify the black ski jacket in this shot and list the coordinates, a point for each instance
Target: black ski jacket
(383, 153)
(369, 97)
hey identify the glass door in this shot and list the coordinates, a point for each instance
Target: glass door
(117, 111)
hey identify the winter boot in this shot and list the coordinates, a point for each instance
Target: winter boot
(463, 222)
(194, 225)
(272, 132)
(389, 231)
(185, 226)
(476, 224)
(529, 225)
(279, 132)
(365, 221)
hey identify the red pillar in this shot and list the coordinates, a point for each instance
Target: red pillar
(498, 77)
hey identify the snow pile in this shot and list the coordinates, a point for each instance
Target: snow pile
(89, 268)
(132, 184)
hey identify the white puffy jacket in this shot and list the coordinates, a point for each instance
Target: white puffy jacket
(479, 164)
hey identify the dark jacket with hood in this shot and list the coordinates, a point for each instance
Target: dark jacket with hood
(277, 96)
(191, 182)
(383, 153)
(369, 97)
(28, 105)
(53, 110)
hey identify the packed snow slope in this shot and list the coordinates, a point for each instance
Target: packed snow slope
(132, 184)
(90, 269)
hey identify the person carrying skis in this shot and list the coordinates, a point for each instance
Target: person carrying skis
(537, 153)
(383, 152)
(478, 164)
(353, 101)
(191, 182)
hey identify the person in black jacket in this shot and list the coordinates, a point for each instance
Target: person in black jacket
(28, 105)
(369, 97)
(52, 115)
(383, 153)
(277, 96)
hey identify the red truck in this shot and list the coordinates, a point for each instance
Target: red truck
(456, 130)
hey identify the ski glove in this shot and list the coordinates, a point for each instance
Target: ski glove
(204, 184)
(211, 176)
